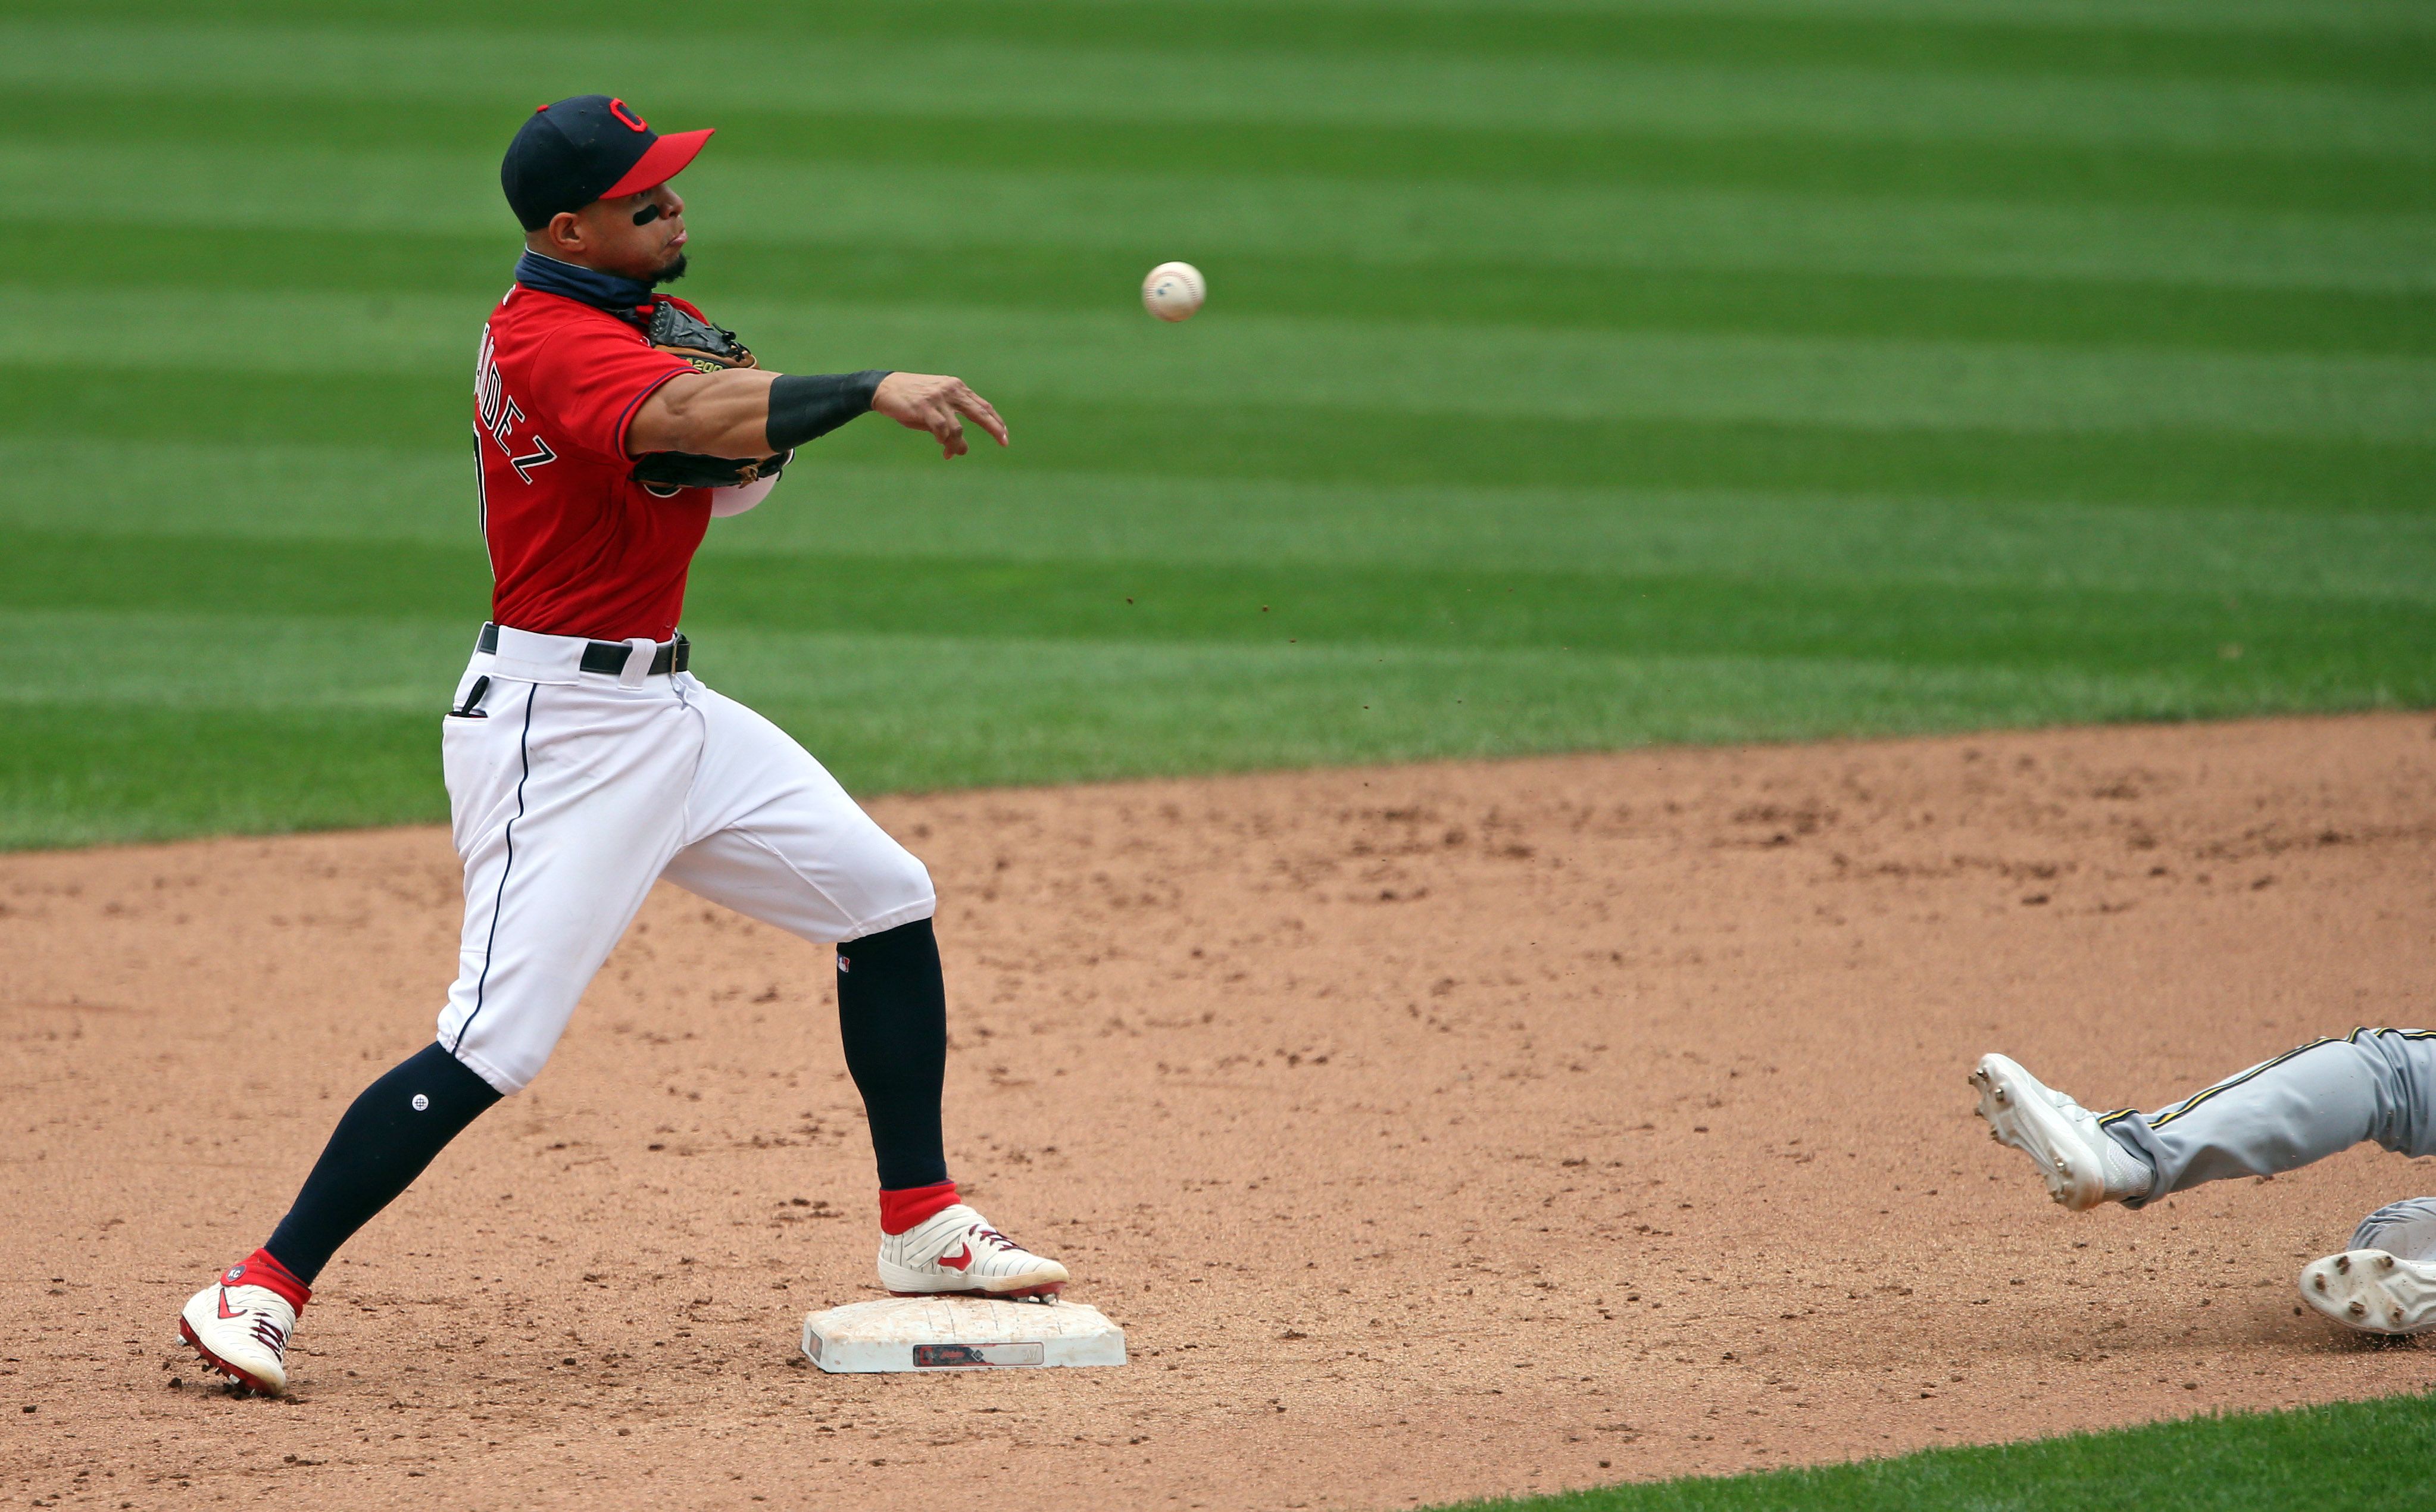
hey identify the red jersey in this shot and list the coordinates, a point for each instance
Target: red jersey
(576, 547)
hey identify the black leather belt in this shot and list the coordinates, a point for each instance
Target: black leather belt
(609, 655)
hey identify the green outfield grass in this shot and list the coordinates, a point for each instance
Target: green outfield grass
(2334, 1458)
(1576, 374)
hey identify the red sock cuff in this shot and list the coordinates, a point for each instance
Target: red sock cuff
(261, 1269)
(913, 1206)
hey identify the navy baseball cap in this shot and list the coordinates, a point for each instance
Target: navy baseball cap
(573, 151)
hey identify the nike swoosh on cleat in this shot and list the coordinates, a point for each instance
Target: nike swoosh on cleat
(961, 1258)
(224, 1312)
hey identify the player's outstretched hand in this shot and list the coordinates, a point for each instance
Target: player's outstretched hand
(932, 402)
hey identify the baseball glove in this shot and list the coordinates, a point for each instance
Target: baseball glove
(707, 349)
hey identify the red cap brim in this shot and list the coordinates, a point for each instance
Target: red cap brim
(662, 161)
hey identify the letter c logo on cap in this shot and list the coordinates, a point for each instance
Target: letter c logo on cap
(617, 109)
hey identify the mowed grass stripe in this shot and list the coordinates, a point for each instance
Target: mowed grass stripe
(2302, 20)
(1465, 373)
(1337, 443)
(119, 657)
(1367, 222)
(859, 510)
(102, 660)
(1214, 88)
(2193, 42)
(2327, 646)
(2388, 44)
(2394, 176)
(80, 775)
(60, 257)
(834, 507)
(112, 760)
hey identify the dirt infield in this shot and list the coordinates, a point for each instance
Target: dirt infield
(1433, 1131)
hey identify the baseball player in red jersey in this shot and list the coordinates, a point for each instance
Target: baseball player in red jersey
(583, 759)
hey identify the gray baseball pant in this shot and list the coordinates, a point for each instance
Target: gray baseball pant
(2302, 1107)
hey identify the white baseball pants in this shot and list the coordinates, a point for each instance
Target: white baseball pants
(570, 793)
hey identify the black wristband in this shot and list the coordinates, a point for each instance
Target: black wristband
(806, 405)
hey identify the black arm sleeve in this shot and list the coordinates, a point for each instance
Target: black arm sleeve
(803, 406)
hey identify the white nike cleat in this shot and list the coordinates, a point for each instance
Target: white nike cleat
(2082, 1165)
(956, 1253)
(241, 1331)
(2372, 1291)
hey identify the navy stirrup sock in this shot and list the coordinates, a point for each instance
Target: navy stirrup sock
(377, 1150)
(893, 1020)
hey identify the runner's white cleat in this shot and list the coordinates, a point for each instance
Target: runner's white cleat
(2082, 1166)
(956, 1253)
(2372, 1291)
(241, 1330)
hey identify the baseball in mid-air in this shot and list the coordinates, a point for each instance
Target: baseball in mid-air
(1173, 292)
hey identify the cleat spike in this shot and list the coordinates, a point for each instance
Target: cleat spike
(2357, 1310)
(2385, 1262)
(2343, 1264)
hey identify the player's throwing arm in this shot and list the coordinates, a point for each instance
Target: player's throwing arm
(745, 412)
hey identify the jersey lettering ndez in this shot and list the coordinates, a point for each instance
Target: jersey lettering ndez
(576, 547)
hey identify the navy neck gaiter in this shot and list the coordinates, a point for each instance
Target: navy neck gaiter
(589, 285)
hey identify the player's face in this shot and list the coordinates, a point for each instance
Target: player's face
(641, 237)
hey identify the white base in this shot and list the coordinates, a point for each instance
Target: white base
(959, 1333)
